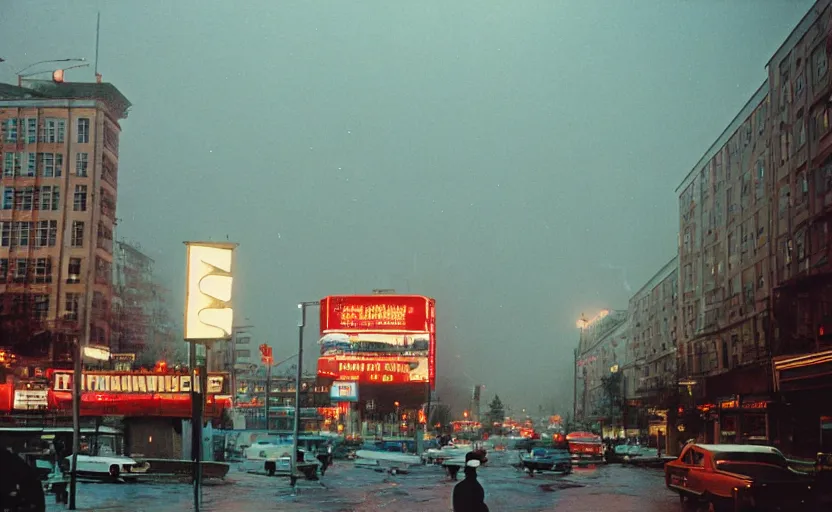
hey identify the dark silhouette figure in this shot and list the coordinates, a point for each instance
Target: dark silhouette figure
(20, 488)
(469, 496)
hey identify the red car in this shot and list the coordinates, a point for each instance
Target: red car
(585, 446)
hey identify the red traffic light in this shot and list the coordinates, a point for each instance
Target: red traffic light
(821, 331)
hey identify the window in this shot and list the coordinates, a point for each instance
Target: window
(79, 203)
(52, 130)
(243, 354)
(77, 233)
(5, 234)
(8, 198)
(74, 271)
(81, 162)
(799, 133)
(105, 238)
(759, 182)
(51, 164)
(21, 232)
(50, 197)
(4, 269)
(24, 198)
(820, 64)
(820, 122)
(800, 245)
(31, 164)
(73, 300)
(21, 268)
(801, 189)
(83, 130)
(800, 86)
(11, 164)
(10, 127)
(47, 233)
(31, 130)
(43, 270)
(103, 271)
(41, 306)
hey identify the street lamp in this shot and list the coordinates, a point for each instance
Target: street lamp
(296, 427)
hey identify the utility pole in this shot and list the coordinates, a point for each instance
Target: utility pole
(296, 425)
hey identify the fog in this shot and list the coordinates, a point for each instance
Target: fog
(516, 160)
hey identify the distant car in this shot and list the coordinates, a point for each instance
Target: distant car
(738, 478)
(547, 459)
(585, 446)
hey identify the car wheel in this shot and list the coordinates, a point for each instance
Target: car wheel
(687, 504)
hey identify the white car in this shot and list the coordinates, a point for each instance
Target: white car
(108, 467)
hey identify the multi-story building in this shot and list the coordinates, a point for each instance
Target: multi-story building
(141, 324)
(599, 356)
(801, 195)
(315, 410)
(59, 147)
(724, 254)
(650, 383)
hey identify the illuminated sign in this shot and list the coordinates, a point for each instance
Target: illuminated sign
(208, 312)
(375, 370)
(117, 382)
(375, 313)
(344, 391)
(30, 400)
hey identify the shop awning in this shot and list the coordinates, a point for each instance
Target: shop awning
(806, 371)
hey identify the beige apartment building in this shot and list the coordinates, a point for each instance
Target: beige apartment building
(650, 387)
(724, 276)
(59, 147)
(801, 195)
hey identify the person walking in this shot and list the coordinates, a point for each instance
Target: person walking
(468, 495)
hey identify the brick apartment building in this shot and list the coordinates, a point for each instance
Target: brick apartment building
(59, 147)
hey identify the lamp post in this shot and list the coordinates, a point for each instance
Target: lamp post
(296, 425)
(79, 351)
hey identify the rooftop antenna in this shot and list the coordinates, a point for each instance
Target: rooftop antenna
(97, 35)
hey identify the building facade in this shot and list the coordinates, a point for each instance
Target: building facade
(315, 411)
(599, 357)
(801, 195)
(724, 278)
(650, 378)
(59, 146)
(142, 327)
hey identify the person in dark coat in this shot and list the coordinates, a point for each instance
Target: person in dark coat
(20, 487)
(469, 496)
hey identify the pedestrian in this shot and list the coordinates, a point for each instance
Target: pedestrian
(469, 495)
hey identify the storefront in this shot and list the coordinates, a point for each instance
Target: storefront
(743, 420)
(805, 385)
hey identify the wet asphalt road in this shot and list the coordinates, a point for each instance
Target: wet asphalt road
(606, 488)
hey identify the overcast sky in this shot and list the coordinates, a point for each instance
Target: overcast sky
(515, 159)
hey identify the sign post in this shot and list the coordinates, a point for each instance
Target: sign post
(209, 317)
(296, 424)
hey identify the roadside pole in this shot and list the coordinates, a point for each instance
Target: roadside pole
(209, 318)
(296, 424)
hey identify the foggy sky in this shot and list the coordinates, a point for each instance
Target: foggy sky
(516, 160)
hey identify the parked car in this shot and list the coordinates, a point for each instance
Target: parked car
(738, 478)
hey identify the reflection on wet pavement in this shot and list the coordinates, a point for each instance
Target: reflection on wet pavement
(610, 488)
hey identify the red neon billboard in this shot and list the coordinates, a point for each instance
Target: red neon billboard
(372, 329)
(374, 369)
